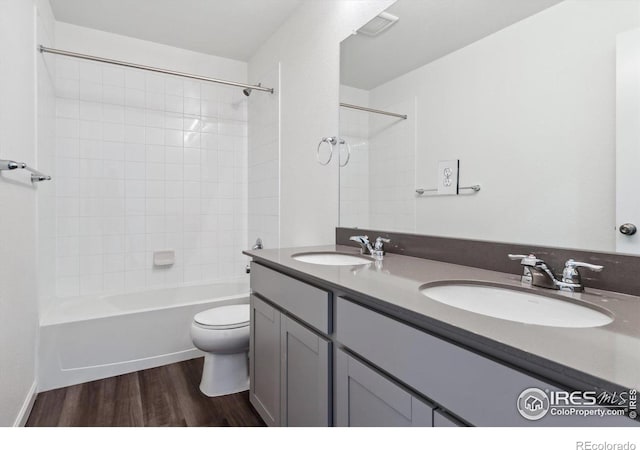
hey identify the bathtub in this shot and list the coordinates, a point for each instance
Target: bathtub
(92, 337)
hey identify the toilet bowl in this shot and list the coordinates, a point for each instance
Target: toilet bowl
(223, 334)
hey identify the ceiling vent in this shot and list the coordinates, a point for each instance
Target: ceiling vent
(378, 24)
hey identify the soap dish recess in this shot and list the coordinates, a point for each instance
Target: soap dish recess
(163, 258)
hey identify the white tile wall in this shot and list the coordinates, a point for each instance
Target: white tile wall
(354, 176)
(392, 167)
(146, 162)
(377, 186)
(264, 165)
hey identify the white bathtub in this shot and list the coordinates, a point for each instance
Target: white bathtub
(89, 338)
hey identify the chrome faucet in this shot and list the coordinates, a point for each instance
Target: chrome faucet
(376, 250)
(365, 245)
(538, 273)
(258, 245)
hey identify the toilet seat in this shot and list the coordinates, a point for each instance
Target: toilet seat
(223, 317)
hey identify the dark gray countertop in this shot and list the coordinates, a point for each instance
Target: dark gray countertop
(602, 358)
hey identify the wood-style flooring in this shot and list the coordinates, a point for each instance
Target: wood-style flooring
(163, 396)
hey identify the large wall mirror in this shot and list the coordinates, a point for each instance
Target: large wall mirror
(538, 100)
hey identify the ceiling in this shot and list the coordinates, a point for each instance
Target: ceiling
(228, 28)
(426, 31)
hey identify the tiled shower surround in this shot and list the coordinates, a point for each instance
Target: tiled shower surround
(377, 185)
(146, 162)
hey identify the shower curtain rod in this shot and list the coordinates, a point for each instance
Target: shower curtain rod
(55, 51)
(375, 111)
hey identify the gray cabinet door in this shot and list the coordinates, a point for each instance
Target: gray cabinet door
(365, 398)
(441, 419)
(264, 360)
(305, 376)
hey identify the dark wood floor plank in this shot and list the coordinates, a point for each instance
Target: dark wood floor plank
(160, 407)
(46, 409)
(196, 407)
(163, 396)
(114, 402)
(98, 402)
(236, 410)
(128, 403)
(239, 411)
(72, 409)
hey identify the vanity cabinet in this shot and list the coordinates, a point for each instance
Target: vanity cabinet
(289, 360)
(365, 398)
(383, 371)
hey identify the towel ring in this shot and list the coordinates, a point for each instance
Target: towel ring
(343, 142)
(331, 141)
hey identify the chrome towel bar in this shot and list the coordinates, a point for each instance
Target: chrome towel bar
(474, 188)
(36, 176)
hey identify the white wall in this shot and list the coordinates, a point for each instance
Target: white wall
(307, 47)
(18, 274)
(530, 112)
(146, 162)
(109, 45)
(46, 146)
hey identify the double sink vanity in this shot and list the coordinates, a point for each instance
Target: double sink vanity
(339, 338)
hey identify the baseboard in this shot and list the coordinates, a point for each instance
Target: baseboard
(27, 406)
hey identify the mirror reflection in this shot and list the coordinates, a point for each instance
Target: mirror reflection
(534, 102)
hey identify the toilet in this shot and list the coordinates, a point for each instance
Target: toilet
(223, 334)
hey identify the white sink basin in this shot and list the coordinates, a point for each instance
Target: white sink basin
(332, 259)
(516, 306)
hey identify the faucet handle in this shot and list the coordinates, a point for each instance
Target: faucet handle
(571, 276)
(380, 241)
(526, 260)
(573, 264)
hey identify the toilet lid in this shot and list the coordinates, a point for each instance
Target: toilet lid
(232, 316)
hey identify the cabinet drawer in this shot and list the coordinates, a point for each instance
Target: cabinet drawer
(481, 391)
(306, 302)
